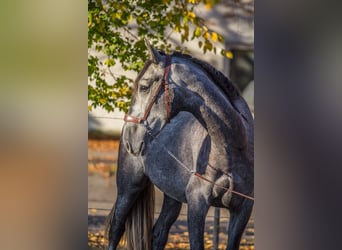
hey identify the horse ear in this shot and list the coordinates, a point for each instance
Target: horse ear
(153, 53)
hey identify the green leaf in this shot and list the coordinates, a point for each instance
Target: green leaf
(198, 32)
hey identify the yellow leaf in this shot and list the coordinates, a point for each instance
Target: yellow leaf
(206, 35)
(124, 90)
(191, 14)
(208, 6)
(214, 36)
(229, 54)
(118, 15)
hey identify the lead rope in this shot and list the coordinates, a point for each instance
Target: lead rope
(196, 173)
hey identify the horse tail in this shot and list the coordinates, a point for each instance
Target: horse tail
(139, 223)
(109, 224)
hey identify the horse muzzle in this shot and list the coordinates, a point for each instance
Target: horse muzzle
(133, 139)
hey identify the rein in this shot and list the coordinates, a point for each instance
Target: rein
(164, 82)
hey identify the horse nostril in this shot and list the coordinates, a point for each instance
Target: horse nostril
(141, 149)
(128, 147)
(134, 150)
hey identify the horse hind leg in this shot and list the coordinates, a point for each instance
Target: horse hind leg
(169, 213)
(237, 224)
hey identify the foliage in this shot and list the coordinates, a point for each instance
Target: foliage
(116, 32)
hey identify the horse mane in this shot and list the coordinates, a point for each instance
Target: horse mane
(223, 82)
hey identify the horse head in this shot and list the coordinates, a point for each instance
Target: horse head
(151, 95)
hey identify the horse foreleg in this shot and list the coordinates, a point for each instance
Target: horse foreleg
(169, 213)
(121, 210)
(197, 212)
(131, 181)
(237, 224)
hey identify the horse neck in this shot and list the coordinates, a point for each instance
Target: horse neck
(227, 133)
(212, 108)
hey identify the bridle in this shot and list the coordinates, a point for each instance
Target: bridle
(164, 82)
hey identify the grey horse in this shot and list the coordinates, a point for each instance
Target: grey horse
(207, 165)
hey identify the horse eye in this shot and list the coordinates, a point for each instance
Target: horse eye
(144, 88)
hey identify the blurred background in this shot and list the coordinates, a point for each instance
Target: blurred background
(234, 20)
(44, 125)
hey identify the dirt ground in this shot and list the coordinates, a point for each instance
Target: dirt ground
(102, 163)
